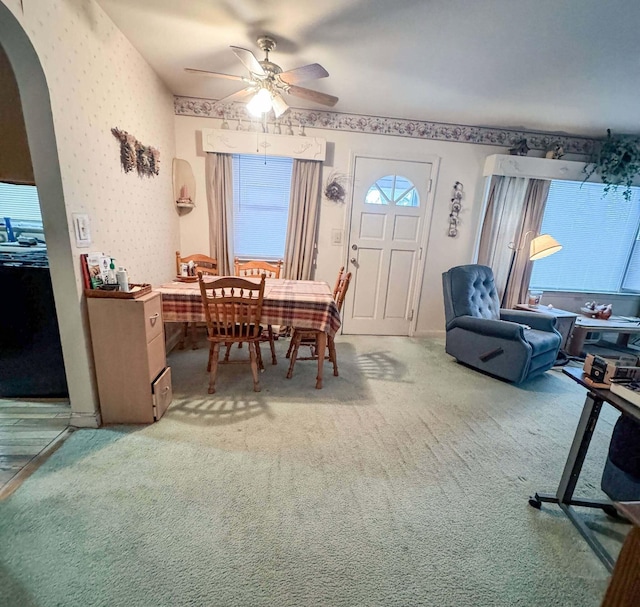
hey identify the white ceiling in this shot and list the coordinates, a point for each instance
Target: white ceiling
(569, 66)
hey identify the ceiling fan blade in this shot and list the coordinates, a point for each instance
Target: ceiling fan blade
(279, 104)
(214, 74)
(240, 95)
(306, 72)
(309, 95)
(249, 60)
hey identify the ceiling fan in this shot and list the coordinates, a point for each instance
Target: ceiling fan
(267, 82)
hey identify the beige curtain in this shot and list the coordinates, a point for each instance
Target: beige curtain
(535, 201)
(219, 180)
(302, 226)
(500, 226)
(515, 207)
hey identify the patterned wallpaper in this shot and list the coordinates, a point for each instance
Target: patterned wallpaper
(97, 81)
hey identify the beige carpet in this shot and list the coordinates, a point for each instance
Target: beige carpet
(403, 482)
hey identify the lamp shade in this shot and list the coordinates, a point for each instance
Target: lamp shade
(261, 103)
(543, 245)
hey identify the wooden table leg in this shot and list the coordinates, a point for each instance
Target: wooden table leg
(321, 346)
(576, 342)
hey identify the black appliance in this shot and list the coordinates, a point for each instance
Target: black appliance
(31, 362)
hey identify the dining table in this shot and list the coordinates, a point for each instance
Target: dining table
(306, 304)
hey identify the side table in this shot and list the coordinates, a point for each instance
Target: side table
(565, 321)
(623, 326)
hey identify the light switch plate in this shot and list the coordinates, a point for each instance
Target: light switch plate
(336, 237)
(82, 229)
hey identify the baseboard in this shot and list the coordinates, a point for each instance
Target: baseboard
(437, 334)
(85, 420)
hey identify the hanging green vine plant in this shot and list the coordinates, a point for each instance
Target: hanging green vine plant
(617, 162)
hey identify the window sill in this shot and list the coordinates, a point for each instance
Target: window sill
(587, 293)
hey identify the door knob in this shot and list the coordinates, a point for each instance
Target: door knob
(353, 260)
(354, 247)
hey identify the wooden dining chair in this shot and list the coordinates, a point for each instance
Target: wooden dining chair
(336, 288)
(339, 281)
(309, 337)
(206, 265)
(256, 268)
(233, 309)
(203, 263)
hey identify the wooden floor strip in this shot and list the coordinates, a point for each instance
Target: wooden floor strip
(31, 415)
(33, 465)
(28, 429)
(27, 405)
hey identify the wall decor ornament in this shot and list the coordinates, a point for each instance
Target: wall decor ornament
(335, 188)
(520, 149)
(555, 152)
(134, 154)
(456, 207)
(617, 162)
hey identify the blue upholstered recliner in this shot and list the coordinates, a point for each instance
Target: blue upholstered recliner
(511, 344)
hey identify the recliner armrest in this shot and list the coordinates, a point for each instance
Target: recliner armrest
(488, 326)
(536, 320)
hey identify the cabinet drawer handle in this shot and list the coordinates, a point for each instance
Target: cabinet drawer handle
(165, 389)
(152, 319)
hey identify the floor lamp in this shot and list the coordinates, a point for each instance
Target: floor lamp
(540, 246)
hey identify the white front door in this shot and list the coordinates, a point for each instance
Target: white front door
(385, 244)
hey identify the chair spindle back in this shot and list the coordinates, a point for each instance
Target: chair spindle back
(232, 307)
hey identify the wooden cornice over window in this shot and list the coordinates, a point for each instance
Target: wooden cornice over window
(535, 168)
(249, 142)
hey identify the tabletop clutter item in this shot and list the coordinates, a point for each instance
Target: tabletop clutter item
(534, 298)
(601, 371)
(595, 310)
(99, 274)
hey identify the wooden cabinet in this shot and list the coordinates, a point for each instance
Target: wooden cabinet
(134, 382)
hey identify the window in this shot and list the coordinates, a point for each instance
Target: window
(261, 187)
(20, 204)
(393, 189)
(599, 235)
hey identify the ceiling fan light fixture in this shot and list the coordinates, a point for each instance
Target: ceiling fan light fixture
(267, 83)
(260, 103)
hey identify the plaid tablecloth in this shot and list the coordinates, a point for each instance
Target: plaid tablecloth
(306, 304)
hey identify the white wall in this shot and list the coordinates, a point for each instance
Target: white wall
(458, 162)
(96, 80)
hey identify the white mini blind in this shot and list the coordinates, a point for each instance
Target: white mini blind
(261, 189)
(19, 202)
(597, 233)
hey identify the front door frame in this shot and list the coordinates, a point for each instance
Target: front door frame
(434, 161)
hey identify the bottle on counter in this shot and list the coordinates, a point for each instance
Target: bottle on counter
(123, 279)
(111, 275)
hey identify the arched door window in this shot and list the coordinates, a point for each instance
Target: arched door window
(393, 189)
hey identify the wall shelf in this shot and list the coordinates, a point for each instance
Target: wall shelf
(184, 185)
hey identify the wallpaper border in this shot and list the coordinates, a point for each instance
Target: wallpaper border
(360, 123)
